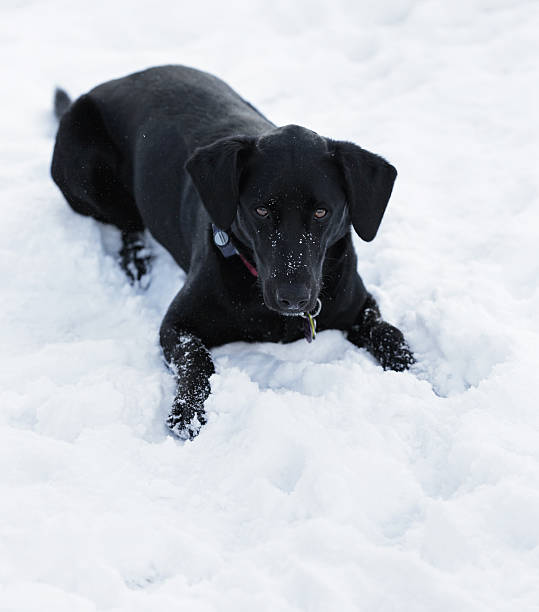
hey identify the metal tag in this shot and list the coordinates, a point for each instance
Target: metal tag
(309, 328)
(309, 322)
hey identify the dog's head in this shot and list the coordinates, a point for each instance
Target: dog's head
(289, 195)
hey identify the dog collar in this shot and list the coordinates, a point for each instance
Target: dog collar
(223, 243)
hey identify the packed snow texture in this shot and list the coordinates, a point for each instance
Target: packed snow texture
(320, 482)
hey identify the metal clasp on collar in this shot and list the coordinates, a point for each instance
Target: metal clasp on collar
(222, 242)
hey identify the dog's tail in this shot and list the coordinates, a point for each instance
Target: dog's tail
(62, 102)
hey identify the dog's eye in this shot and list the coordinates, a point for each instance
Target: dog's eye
(320, 213)
(262, 212)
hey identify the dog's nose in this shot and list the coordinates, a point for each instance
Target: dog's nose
(294, 297)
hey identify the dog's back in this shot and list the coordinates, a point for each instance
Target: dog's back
(200, 106)
(121, 149)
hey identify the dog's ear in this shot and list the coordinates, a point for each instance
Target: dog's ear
(368, 182)
(215, 170)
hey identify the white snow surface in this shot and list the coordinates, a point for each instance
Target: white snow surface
(320, 482)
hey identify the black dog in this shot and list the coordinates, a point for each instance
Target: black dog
(258, 216)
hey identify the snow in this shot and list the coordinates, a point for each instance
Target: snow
(320, 482)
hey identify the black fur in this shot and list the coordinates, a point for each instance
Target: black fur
(61, 102)
(173, 149)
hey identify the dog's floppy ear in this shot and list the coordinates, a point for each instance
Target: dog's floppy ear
(215, 170)
(368, 182)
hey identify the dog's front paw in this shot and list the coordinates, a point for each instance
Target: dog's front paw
(388, 345)
(136, 259)
(185, 420)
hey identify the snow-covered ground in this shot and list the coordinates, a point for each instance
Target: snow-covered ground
(321, 482)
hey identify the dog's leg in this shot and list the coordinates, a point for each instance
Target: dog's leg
(135, 258)
(192, 365)
(381, 339)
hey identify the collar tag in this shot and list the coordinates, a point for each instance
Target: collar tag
(309, 322)
(309, 328)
